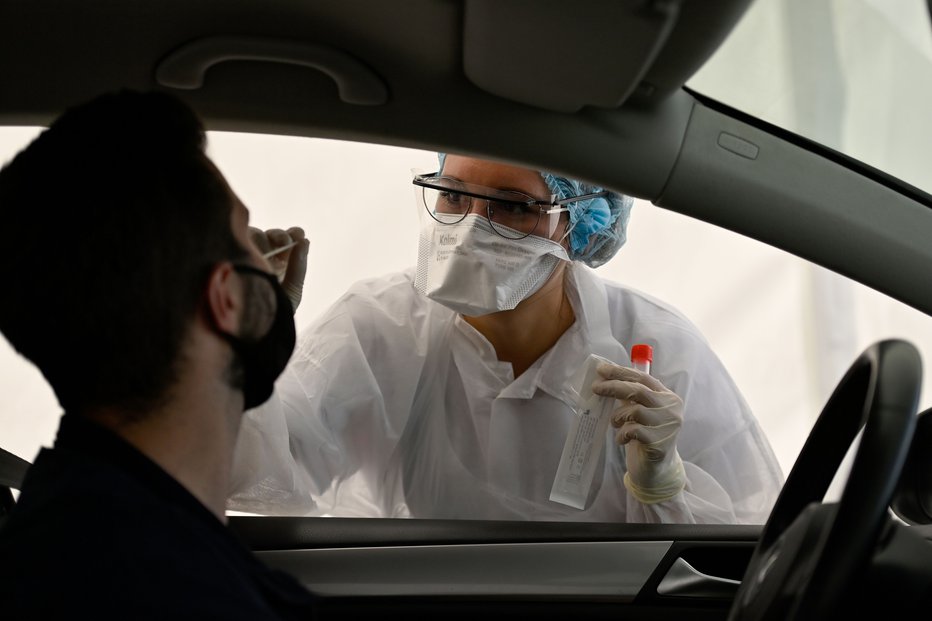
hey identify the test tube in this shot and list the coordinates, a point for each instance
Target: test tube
(641, 357)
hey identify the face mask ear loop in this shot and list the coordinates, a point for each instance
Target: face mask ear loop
(569, 229)
(566, 233)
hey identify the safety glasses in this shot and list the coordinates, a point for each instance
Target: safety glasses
(512, 214)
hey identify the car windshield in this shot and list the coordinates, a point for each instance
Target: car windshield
(852, 75)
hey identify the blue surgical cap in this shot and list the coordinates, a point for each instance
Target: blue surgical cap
(597, 225)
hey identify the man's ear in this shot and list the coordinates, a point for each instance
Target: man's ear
(224, 298)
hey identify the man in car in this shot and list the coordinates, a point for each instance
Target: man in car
(131, 282)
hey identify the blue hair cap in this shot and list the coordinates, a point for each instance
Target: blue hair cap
(597, 226)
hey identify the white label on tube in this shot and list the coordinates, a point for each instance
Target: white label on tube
(584, 442)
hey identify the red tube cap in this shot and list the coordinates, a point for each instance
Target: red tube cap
(642, 352)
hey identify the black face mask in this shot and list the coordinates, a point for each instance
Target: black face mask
(264, 358)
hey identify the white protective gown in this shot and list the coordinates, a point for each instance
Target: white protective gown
(394, 406)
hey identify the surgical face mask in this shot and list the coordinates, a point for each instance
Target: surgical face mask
(263, 357)
(470, 269)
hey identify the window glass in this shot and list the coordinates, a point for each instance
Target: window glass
(853, 75)
(785, 330)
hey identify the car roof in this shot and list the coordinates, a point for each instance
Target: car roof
(589, 88)
(420, 73)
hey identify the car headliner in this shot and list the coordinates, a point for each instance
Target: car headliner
(467, 76)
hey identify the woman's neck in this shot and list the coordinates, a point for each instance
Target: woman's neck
(522, 335)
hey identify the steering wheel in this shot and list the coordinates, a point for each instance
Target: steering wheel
(809, 552)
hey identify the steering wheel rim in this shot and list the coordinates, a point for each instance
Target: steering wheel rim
(809, 552)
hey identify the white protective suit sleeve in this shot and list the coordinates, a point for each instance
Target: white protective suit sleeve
(265, 476)
(732, 474)
(302, 452)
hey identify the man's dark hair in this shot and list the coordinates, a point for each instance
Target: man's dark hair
(112, 220)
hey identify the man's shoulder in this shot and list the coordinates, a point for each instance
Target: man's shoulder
(81, 512)
(78, 485)
(89, 512)
(131, 586)
(92, 551)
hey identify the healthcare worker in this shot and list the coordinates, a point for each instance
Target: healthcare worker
(446, 391)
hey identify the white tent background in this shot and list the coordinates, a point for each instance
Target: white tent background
(786, 330)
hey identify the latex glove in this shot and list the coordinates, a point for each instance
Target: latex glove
(648, 416)
(289, 266)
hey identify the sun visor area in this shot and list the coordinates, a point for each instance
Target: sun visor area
(525, 50)
(612, 52)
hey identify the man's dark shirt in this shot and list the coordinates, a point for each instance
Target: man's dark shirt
(102, 532)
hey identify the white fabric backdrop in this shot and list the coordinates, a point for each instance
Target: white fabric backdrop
(787, 330)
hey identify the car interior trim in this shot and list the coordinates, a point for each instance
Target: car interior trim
(185, 67)
(912, 501)
(500, 57)
(842, 159)
(830, 213)
(613, 569)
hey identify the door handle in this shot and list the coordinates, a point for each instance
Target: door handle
(684, 580)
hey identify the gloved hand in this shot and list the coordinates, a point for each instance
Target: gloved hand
(648, 416)
(290, 266)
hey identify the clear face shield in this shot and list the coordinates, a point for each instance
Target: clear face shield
(511, 214)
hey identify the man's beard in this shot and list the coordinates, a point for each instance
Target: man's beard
(258, 315)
